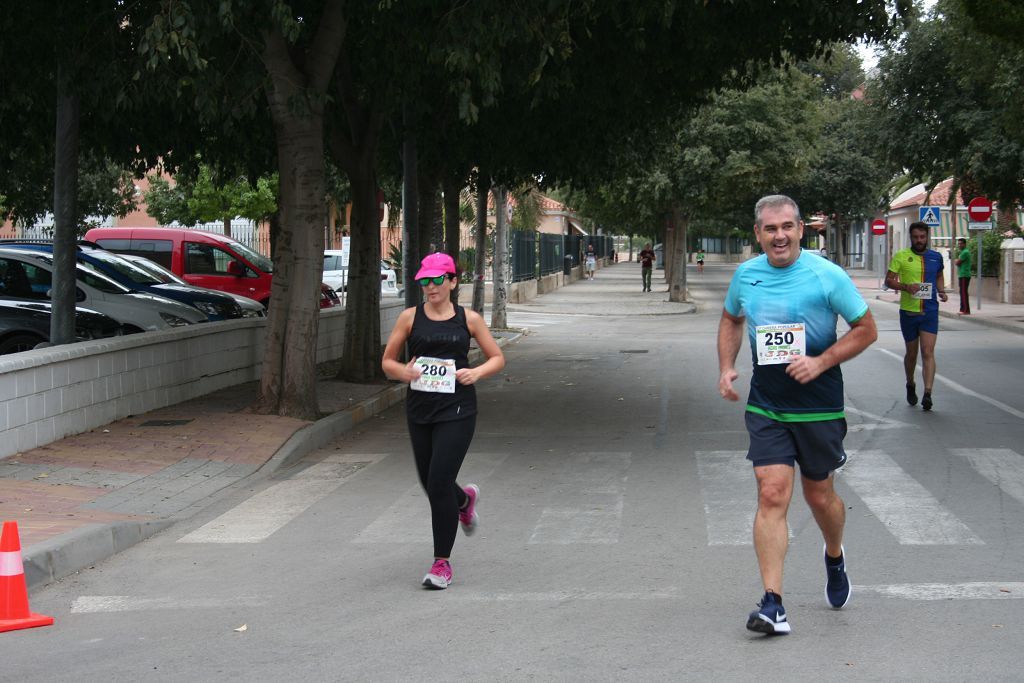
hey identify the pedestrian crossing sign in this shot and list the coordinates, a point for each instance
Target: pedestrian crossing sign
(930, 216)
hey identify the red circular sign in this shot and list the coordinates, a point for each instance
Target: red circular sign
(979, 209)
(878, 226)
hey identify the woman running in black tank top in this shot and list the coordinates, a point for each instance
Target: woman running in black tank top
(441, 402)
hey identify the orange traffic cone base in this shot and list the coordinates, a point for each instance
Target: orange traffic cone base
(32, 621)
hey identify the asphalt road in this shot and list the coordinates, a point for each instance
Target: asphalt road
(615, 542)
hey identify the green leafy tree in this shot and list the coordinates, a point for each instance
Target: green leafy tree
(944, 101)
(167, 202)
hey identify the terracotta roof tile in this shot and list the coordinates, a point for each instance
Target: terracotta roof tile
(939, 197)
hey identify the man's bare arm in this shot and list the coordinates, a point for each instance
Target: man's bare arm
(730, 339)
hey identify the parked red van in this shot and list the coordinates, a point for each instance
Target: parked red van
(204, 259)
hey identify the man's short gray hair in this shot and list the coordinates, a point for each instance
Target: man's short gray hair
(773, 201)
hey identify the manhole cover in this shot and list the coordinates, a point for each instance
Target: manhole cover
(164, 423)
(633, 351)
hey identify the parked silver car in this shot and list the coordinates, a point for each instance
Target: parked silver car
(26, 275)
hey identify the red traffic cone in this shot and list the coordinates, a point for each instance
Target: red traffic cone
(14, 612)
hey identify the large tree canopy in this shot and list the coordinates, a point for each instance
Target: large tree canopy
(946, 101)
(546, 89)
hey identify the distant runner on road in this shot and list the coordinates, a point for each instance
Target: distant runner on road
(789, 300)
(917, 273)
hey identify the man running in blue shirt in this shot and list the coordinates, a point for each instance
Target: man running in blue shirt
(789, 301)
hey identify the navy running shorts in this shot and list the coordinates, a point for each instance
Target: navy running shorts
(913, 324)
(816, 446)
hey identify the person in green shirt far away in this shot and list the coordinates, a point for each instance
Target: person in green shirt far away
(963, 271)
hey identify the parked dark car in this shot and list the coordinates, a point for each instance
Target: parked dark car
(26, 324)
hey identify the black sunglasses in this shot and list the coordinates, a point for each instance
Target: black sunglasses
(439, 280)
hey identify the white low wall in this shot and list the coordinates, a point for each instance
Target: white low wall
(47, 394)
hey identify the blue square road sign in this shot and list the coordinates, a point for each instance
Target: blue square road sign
(930, 215)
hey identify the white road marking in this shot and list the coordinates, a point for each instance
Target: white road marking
(671, 593)
(991, 590)
(1008, 590)
(878, 421)
(1001, 466)
(964, 390)
(586, 507)
(904, 507)
(91, 604)
(407, 520)
(257, 518)
(730, 496)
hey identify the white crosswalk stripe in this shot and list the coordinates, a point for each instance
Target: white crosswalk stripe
(1001, 466)
(407, 520)
(906, 508)
(264, 513)
(908, 511)
(730, 496)
(872, 421)
(534, 321)
(586, 505)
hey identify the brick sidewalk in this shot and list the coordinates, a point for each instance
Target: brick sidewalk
(152, 465)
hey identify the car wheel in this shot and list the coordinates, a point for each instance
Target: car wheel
(19, 342)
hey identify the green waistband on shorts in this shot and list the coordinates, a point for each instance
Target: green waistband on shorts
(797, 417)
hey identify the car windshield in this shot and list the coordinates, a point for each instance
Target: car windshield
(156, 270)
(258, 260)
(97, 280)
(87, 275)
(124, 268)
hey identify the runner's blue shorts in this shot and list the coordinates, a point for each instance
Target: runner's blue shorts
(816, 446)
(913, 324)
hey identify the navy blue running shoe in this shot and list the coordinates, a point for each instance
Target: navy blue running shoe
(837, 587)
(770, 618)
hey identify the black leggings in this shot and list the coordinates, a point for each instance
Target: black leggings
(439, 450)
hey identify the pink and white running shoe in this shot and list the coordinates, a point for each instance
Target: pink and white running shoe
(439, 576)
(468, 516)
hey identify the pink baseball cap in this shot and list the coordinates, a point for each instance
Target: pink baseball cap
(436, 264)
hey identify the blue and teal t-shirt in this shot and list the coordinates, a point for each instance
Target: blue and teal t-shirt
(812, 291)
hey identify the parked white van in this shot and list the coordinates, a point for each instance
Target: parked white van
(336, 273)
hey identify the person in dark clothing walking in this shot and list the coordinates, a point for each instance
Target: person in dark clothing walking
(441, 402)
(646, 258)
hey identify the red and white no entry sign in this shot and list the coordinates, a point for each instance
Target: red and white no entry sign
(979, 209)
(878, 226)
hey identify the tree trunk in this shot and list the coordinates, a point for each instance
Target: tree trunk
(410, 214)
(227, 225)
(360, 361)
(288, 382)
(668, 248)
(65, 214)
(500, 273)
(429, 191)
(677, 285)
(452, 228)
(482, 188)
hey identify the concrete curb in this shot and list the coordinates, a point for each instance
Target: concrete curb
(68, 553)
(76, 550)
(987, 322)
(314, 436)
